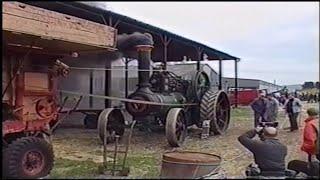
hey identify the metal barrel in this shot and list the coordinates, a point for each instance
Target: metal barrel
(188, 164)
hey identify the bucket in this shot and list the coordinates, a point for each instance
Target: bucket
(188, 164)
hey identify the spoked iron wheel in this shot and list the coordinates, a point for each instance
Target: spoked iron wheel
(215, 106)
(176, 127)
(28, 157)
(113, 121)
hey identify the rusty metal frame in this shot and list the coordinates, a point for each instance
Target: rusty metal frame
(116, 151)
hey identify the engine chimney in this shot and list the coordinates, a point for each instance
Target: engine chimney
(144, 56)
(141, 44)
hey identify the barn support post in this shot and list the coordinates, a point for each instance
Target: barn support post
(165, 41)
(110, 21)
(236, 81)
(107, 82)
(116, 24)
(91, 88)
(220, 74)
(165, 54)
(126, 77)
(199, 51)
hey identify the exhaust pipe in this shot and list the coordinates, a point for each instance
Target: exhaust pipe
(143, 44)
(144, 57)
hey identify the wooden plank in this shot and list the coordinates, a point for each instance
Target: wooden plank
(21, 43)
(23, 18)
(14, 8)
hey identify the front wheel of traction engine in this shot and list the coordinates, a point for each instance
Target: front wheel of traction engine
(111, 122)
(27, 157)
(176, 127)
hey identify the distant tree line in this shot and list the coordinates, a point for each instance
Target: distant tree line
(310, 84)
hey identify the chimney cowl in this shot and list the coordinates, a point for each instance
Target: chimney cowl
(127, 42)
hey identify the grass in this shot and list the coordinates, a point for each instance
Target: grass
(141, 166)
(241, 113)
(65, 168)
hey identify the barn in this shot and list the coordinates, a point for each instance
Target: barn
(168, 47)
(251, 84)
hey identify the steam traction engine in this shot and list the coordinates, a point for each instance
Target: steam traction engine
(175, 101)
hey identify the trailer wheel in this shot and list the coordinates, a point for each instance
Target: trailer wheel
(176, 127)
(28, 157)
(112, 121)
(215, 106)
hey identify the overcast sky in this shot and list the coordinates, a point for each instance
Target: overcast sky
(275, 40)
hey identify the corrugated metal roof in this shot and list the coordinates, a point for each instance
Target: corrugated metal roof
(61, 7)
(206, 48)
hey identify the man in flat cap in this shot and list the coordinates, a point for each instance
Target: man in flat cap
(259, 106)
(269, 153)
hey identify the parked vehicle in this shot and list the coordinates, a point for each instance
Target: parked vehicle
(245, 96)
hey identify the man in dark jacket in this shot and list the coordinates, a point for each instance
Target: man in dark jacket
(269, 153)
(293, 108)
(259, 106)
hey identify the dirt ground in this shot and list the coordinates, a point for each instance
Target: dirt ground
(78, 152)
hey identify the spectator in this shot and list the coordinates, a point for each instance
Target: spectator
(271, 109)
(315, 98)
(310, 98)
(269, 153)
(310, 146)
(302, 97)
(293, 108)
(282, 99)
(259, 108)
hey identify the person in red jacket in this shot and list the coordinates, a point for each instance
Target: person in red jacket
(310, 146)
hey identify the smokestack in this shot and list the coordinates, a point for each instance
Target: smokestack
(143, 44)
(144, 57)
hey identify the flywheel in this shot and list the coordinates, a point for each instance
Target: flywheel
(215, 106)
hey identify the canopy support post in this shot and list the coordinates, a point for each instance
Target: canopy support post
(220, 74)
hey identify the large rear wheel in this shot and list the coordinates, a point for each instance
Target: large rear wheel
(28, 157)
(215, 106)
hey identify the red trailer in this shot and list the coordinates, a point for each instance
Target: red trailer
(245, 96)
